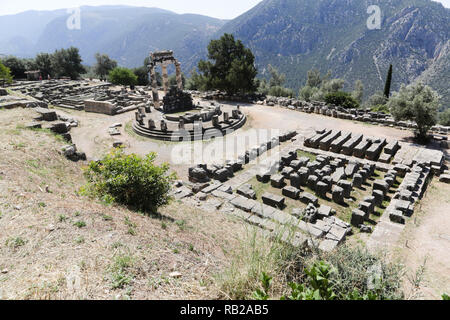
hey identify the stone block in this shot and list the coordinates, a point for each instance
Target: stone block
(243, 203)
(277, 181)
(312, 181)
(381, 185)
(325, 211)
(338, 175)
(307, 198)
(286, 172)
(295, 180)
(358, 217)
(273, 200)
(378, 196)
(347, 187)
(337, 194)
(365, 207)
(221, 175)
(291, 192)
(321, 189)
(360, 150)
(303, 174)
(357, 180)
(396, 216)
(263, 177)
(348, 147)
(295, 164)
(351, 169)
(445, 178)
(247, 191)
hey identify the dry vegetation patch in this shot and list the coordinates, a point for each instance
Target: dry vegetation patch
(55, 244)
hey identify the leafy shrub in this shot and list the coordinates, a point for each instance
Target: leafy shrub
(123, 76)
(444, 118)
(319, 286)
(307, 93)
(130, 180)
(418, 103)
(5, 73)
(262, 294)
(378, 98)
(380, 108)
(345, 274)
(120, 273)
(343, 99)
(367, 274)
(278, 91)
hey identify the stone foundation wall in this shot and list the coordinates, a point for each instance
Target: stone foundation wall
(100, 107)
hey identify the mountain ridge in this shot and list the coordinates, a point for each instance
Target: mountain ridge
(333, 35)
(292, 35)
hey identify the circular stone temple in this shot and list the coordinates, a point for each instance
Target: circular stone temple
(178, 119)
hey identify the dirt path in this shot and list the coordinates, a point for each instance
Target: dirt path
(282, 118)
(426, 242)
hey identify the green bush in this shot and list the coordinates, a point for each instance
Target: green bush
(344, 274)
(416, 102)
(380, 108)
(130, 180)
(354, 266)
(123, 76)
(5, 73)
(444, 118)
(278, 91)
(319, 286)
(343, 99)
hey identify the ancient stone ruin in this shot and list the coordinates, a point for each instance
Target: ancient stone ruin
(163, 58)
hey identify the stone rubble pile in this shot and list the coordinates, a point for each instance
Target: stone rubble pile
(177, 100)
(84, 95)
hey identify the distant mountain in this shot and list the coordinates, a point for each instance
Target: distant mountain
(297, 35)
(292, 35)
(127, 34)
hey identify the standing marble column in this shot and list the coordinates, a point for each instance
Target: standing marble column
(179, 78)
(165, 77)
(154, 87)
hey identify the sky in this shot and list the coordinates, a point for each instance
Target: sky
(222, 9)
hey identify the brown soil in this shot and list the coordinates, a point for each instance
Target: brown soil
(426, 243)
(45, 255)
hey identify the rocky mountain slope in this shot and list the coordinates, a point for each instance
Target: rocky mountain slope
(297, 35)
(127, 34)
(293, 35)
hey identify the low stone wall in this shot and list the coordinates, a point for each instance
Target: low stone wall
(100, 107)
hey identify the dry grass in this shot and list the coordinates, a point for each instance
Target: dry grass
(58, 245)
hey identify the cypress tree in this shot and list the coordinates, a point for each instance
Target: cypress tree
(387, 86)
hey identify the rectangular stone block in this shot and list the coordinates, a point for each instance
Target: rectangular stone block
(273, 200)
(358, 217)
(307, 198)
(325, 143)
(277, 181)
(291, 192)
(348, 147)
(337, 144)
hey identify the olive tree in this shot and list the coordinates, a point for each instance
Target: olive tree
(418, 103)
